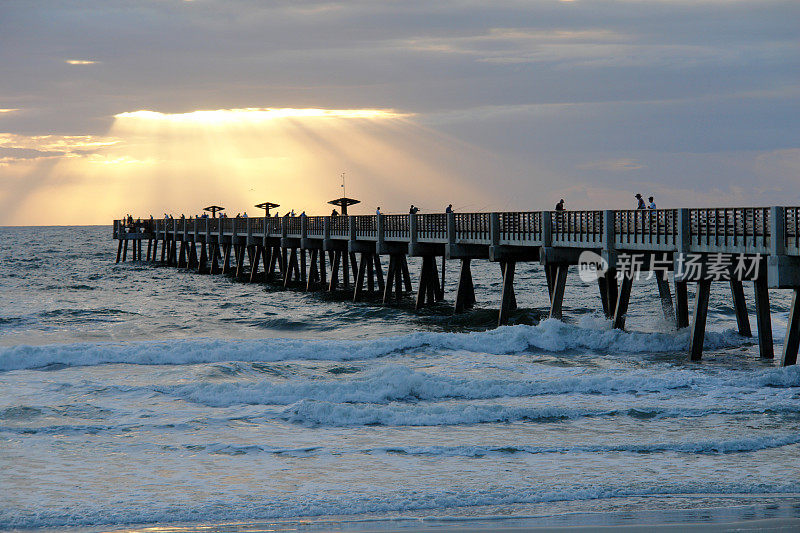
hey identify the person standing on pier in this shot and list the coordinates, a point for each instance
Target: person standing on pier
(413, 210)
(449, 208)
(378, 210)
(641, 205)
(334, 213)
(560, 205)
(652, 204)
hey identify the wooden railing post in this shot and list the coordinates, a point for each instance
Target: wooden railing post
(451, 229)
(326, 228)
(777, 230)
(684, 231)
(547, 228)
(249, 229)
(412, 229)
(608, 238)
(380, 232)
(494, 229)
(303, 226)
(352, 231)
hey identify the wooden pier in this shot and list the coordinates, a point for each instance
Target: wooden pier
(320, 252)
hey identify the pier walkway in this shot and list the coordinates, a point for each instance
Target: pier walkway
(700, 246)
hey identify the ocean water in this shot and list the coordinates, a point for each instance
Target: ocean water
(134, 395)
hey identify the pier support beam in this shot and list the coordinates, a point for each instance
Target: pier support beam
(335, 259)
(125, 250)
(202, 264)
(508, 300)
(183, 254)
(292, 269)
(440, 293)
(379, 272)
(255, 260)
(465, 293)
(313, 272)
(559, 286)
(215, 256)
(226, 262)
(665, 295)
(394, 278)
(191, 261)
(763, 319)
(792, 340)
(740, 306)
(602, 285)
(699, 320)
(623, 300)
(119, 250)
(240, 249)
(428, 282)
(681, 304)
(550, 277)
(360, 273)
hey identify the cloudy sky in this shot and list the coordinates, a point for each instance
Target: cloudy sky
(109, 107)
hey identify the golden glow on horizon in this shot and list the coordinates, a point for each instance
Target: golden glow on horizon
(80, 62)
(152, 163)
(256, 114)
(8, 110)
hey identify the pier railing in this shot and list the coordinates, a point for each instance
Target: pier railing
(315, 227)
(577, 228)
(521, 228)
(340, 227)
(655, 229)
(396, 227)
(792, 225)
(472, 228)
(703, 230)
(432, 227)
(720, 229)
(293, 226)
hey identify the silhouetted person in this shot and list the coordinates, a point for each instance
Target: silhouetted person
(413, 210)
(560, 205)
(641, 201)
(378, 211)
(449, 208)
(334, 213)
(652, 203)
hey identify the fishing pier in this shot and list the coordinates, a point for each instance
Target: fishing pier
(699, 246)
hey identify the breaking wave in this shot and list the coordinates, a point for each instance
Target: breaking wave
(550, 335)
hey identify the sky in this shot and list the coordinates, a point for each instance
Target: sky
(165, 106)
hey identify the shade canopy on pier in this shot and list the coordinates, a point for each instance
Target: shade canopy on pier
(266, 206)
(343, 202)
(214, 209)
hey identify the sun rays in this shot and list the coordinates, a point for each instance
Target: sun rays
(155, 162)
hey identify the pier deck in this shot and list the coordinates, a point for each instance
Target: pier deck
(700, 246)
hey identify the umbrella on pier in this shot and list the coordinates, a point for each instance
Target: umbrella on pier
(343, 202)
(266, 206)
(214, 209)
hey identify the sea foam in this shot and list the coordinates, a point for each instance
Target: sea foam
(550, 335)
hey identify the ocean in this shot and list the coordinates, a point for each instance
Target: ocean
(136, 395)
